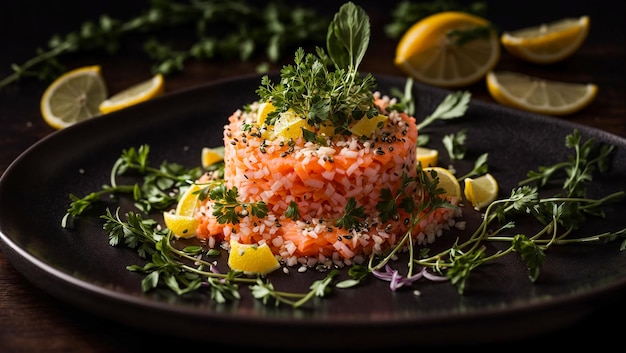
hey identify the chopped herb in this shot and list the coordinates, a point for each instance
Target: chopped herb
(227, 209)
(292, 211)
(352, 216)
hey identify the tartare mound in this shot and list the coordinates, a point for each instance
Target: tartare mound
(321, 179)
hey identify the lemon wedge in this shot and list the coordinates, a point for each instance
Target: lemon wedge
(181, 226)
(289, 125)
(428, 157)
(135, 94)
(548, 42)
(538, 95)
(182, 222)
(211, 156)
(366, 126)
(430, 51)
(264, 109)
(251, 258)
(447, 181)
(73, 97)
(189, 201)
(481, 191)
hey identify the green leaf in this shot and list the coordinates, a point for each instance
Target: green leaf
(348, 36)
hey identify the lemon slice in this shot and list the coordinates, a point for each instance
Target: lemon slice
(538, 95)
(251, 258)
(547, 43)
(428, 157)
(182, 226)
(429, 52)
(211, 156)
(447, 181)
(481, 191)
(138, 93)
(73, 97)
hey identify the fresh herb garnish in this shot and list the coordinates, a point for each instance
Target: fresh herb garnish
(153, 194)
(228, 209)
(352, 216)
(560, 215)
(292, 211)
(271, 29)
(453, 106)
(320, 95)
(189, 269)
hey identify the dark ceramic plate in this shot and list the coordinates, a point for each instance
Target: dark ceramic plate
(81, 268)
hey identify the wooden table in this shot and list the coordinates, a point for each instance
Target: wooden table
(33, 321)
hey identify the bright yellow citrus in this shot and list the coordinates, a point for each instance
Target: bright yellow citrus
(289, 125)
(447, 181)
(73, 97)
(548, 42)
(538, 95)
(138, 93)
(252, 258)
(431, 53)
(366, 126)
(211, 156)
(481, 191)
(188, 202)
(428, 157)
(181, 226)
(264, 109)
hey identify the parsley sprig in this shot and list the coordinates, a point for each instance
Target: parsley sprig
(191, 268)
(154, 193)
(228, 209)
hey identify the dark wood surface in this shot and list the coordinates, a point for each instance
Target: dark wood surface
(31, 320)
